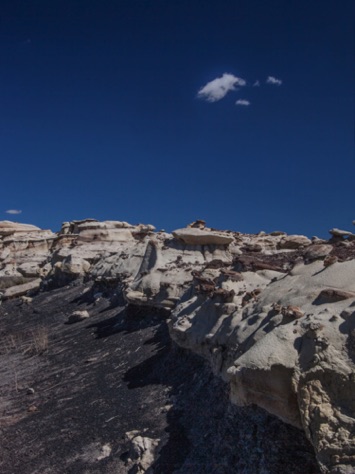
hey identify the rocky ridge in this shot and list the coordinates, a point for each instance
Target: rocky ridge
(273, 314)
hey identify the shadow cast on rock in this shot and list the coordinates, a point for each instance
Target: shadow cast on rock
(348, 327)
(167, 368)
(130, 319)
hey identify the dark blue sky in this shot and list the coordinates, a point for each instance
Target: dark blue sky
(99, 114)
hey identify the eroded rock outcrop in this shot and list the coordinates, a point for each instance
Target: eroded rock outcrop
(197, 236)
(24, 253)
(142, 452)
(273, 314)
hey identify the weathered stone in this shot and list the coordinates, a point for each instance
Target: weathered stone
(75, 265)
(330, 260)
(20, 290)
(232, 275)
(199, 224)
(317, 251)
(294, 242)
(292, 312)
(142, 451)
(78, 316)
(8, 228)
(332, 295)
(341, 233)
(265, 330)
(26, 299)
(196, 236)
(105, 452)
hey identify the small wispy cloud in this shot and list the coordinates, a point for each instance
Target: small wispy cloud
(256, 84)
(273, 80)
(13, 211)
(243, 102)
(218, 88)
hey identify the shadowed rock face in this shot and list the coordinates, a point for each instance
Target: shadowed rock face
(272, 314)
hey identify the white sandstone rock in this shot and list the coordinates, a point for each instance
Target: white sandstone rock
(22, 289)
(78, 316)
(341, 233)
(142, 450)
(197, 236)
(316, 251)
(9, 227)
(294, 242)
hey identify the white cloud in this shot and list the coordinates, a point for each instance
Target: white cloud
(256, 84)
(218, 88)
(13, 211)
(242, 102)
(273, 80)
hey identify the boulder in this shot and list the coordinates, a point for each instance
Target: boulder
(142, 451)
(20, 290)
(199, 224)
(332, 295)
(29, 269)
(77, 316)
(293, 242)
(317, 251)
(74, 265)
(197, 236)
(341, 233)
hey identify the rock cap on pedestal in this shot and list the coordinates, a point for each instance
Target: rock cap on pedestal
(196, 236)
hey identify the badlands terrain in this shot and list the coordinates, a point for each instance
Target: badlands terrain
(129, 350)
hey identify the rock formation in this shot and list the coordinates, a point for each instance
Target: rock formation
(274, 314)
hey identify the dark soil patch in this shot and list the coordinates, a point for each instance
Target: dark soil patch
(118, 372)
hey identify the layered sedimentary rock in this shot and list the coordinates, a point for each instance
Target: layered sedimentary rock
(274, 314)
(25, 251)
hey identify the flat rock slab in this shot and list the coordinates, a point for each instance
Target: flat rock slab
(193, 236)
(20, 290)
(294, 242)
(341, 233)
